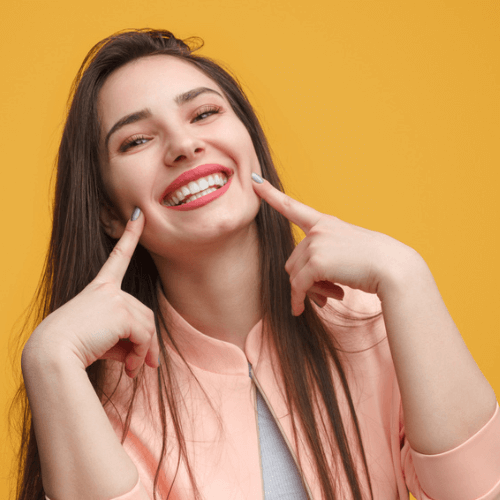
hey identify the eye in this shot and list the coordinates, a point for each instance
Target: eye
(133, 142)
(205, 112)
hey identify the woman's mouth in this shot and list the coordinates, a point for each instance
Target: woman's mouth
(197, 193)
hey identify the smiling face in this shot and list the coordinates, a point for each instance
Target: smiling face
(162, 118)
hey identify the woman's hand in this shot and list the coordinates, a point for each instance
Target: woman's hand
(103, 321)
(335, 251)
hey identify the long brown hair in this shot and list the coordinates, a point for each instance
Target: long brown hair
(79, 247)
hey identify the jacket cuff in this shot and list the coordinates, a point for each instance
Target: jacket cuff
(466, 472)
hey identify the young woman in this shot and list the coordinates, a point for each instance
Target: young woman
(255, 368)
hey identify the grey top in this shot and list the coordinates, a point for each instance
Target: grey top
(281, 477)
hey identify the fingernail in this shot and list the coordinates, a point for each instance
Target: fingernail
(257, 178)
(136, 214)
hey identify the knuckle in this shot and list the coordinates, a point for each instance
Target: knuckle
(315, 261)
(128, 316)
(119, 253)
(316, 229)
(151, 328)
(150, 315)
(107, 289)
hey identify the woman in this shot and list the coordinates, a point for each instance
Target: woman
(230, 394)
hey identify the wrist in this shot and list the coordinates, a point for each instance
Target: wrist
(41, 353)
(401, 274)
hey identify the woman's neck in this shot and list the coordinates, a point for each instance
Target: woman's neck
(217, 292)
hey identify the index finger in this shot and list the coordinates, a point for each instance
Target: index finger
(302, 215)
(115, 267)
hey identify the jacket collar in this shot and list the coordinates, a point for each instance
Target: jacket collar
(207, 353)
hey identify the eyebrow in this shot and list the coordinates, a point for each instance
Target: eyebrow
(127, 120)
(146, 113)
(191, 94)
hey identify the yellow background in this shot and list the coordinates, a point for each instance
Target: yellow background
(385, 114)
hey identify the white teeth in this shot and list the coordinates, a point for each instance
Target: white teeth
(199, 195)
(193, 187)
(203, 184)
(196, 189)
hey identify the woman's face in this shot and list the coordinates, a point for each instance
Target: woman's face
(161, 117)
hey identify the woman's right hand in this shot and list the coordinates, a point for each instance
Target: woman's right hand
(103, 321)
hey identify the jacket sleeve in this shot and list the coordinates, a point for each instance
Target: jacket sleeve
(471, 471)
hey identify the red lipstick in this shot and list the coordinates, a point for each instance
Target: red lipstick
(195, 174)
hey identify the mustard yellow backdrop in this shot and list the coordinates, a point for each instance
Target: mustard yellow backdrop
(385, 114)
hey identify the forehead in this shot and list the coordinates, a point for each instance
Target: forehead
(148, 82)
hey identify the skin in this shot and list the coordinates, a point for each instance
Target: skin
(445, 397)
(213, 283)
(208, 259)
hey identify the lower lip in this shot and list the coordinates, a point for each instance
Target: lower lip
(199, 202)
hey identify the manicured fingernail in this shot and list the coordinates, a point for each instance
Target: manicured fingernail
(257, 178)
(136, 214)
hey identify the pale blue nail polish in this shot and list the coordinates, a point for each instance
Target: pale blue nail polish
(257, 178)
(136, 214)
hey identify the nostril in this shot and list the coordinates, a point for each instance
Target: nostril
(180, 157)
(197, 150)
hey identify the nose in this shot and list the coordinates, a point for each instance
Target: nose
(183, 147)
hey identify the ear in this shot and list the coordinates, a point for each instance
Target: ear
(111, 222)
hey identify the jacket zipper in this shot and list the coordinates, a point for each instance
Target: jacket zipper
(289, 446)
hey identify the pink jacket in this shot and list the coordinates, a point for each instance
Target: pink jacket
(225, 453)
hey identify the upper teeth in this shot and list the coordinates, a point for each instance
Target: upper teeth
(195, 189)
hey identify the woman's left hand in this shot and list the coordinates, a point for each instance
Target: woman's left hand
(334, 251)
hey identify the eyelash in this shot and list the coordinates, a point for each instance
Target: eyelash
(130, 143)
(210, 110)
(213, 110)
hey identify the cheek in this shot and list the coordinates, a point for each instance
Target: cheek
(124, 190)
(238, 139)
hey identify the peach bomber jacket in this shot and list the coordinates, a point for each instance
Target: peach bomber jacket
(223, 445)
